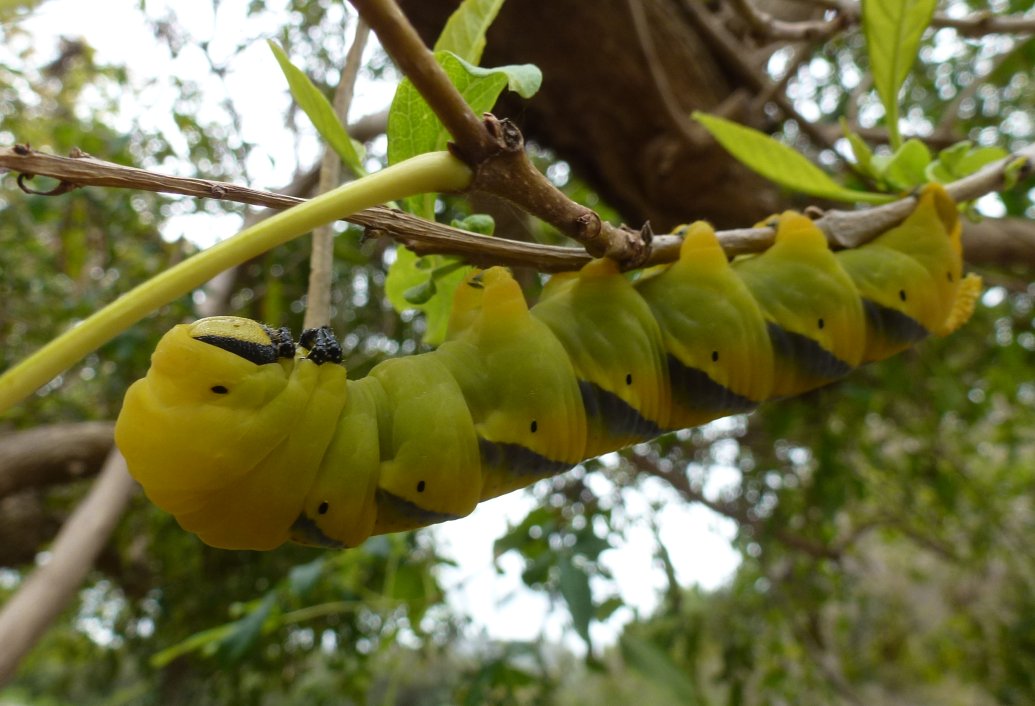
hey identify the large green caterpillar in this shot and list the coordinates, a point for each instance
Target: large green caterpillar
(250, 439)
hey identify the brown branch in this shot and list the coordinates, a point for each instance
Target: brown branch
(44, 595)
(321, 259)
(495, 149)
(766, 26)
(978, 24)
(55, 453)
(398, 37)
(843, 228)
(732, 53)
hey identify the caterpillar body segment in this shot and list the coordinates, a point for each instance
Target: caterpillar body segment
(250, 440)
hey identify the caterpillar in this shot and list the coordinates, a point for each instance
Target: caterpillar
(250, 439)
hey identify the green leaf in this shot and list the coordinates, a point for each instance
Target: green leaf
(481, 223)
(319, 110)
(413, 128)
(860, 150)
(977, 158)
(893, 29)
(574, 587)
(907, 168)
(409, 276)
(960, 160)
(778, 162)
(658, 668)
(195, 642)
(464, 33)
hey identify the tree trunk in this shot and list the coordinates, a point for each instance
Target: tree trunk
(618, 117)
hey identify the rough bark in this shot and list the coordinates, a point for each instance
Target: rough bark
(600, 107)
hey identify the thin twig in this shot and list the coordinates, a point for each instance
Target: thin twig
(843, 228)
(494, 149)
(732, 52)
(321, 259)
(766, 26)
(978, 24)
(404, 45)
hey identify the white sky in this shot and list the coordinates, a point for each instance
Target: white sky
(697, 539)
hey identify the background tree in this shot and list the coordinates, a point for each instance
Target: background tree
(883, 529)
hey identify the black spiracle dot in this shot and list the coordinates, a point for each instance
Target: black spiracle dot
(420, 487)
(949, 275)
(534, 426)
(324, 507)
(220, 389)
(822, 323)
(628, 378)
(715, 356)
(902, 294)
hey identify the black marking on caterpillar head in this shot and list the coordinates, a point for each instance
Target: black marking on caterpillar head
(892, 324)
(620, 417)
(806, 354)
(518, 460)
(258, 353)
(323, 347)
(694, 389)
(282, 339)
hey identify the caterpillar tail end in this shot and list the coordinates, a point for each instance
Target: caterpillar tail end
(963, 307)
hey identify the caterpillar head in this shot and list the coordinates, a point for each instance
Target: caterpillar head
(221, 398)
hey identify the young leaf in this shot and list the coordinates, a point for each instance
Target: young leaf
(574, 586)
(907, 168)
(464, 33)
(410, 285)
(414, 129)
(778, 162)
(319, 110)
(860, 150)
(893, 29)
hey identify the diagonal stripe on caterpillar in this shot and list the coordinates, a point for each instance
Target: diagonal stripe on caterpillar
(250, 440)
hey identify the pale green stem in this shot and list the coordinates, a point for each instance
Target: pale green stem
(433, 172)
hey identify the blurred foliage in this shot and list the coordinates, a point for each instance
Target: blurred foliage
(885, 523)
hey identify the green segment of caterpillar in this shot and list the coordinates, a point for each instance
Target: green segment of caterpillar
(251, 440)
